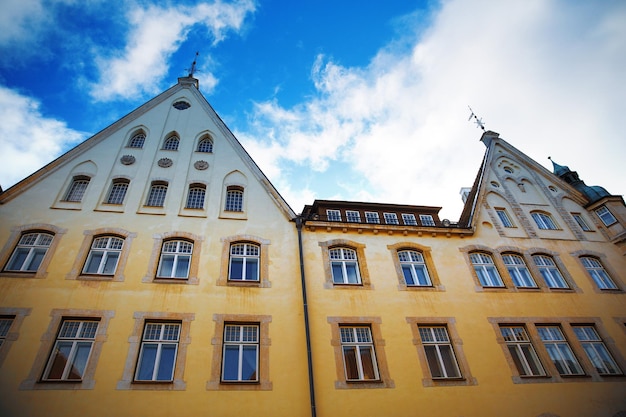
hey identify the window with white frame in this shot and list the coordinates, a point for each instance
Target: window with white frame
(156, 195)
(240, 361)
(596, 350)
(171, 144)
(175, 259)
(372, 217)
(549, 271)
(117, 191)
(485, 270)
(504, 218)
(427, 220)
(606, 216)
(359, 357)
(71, 351)
(353, 216)
(333, 215)
(234, 199)
(104, 254)
(597, 272)
(518, 271)
(409, 219)
(244, 262)
(205, 145)
(344, 266)
(581, 222)
(5, 326)
(195, 197)
(414, 268)
(544, 221)
(391, 218)
(77, 189)
(157, 354)
(559, 350)
(439, 352)
(137, 140)
(522, 351)
(29, 252)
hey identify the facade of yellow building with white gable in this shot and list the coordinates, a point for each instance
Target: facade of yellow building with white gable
(154, 270)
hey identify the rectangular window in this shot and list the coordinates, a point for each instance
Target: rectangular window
(5, 326)
(596, 350)
(244, 262)
(103, 256)
(353, 216)
(606, 216)
(344, 266)
(504, 218)
(117, 192)
(157, 355)
(391, 218)
(29, 252)
(581, 222)
(372, 217)
(522, 351)
(77, 189)
(550, 273)
(597, 273)
(427, 220)
(486, 271)
(559, 350)
(333, 215)
(544, 221)
(156, 196)
(439, 353)
(241, 353)
(71, 351)
(359, 357)
(409, 219)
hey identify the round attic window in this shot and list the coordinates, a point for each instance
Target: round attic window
(508, 169)
(553, 189)
(495, 184)
(181, 105)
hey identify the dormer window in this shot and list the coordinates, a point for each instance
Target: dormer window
(606, 216)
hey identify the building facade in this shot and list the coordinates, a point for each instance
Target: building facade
(154, 269)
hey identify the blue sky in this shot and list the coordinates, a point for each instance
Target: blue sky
(355, 100)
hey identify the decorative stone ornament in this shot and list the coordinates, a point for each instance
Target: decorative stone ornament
(165, 162)
(127, 160)
(201, 165)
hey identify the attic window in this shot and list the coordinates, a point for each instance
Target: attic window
(553, 189)
(181, 105)
(508, 169)
(495, 184)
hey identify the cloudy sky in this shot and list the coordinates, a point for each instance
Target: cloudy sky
(354, 99)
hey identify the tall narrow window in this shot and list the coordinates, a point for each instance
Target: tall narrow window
(606, 216)
(522, 351)
(544, 221)
(5, 326)
(77, 189)
(29, 252)
(234, 199)
(597, 272)
(581, 222)
(104, 255)
(353, 216)
(244, 262)
(156, 195)
(359, 357)
(391, 218)
(241, 353)
(550, 273)
(333, 215)
(504, 218)
(559, 350)
(519, 272)
(157, 355)
(175, 259)
(414, 268)
(427, 220)
(344, 266)
(205, 145)
(195, 197)
(171, 144)
(409, 219)
(137, 140)
(117, 192)
(596, 350)
(372, 217)
(71, 351)
(439, 353)
(486, 270)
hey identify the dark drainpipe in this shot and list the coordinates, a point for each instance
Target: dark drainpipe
(298, 220)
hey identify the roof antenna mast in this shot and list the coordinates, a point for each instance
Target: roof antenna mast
(193, 66)
(477, 120)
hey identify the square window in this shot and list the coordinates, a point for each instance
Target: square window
(333, 215)
(353, 216)
(427, 220)
(391, 218)
(372, 217)
(409, 219)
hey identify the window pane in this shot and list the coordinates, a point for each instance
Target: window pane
(80, 360)
(337, 272)
(449, 361)
(252, 269)
(236, 268)
(110, 263)
(93, 262)
(408, 276)
(167, 361)
(167, 264)
(182, 266)
(18, 259)
(35, 261)
(249, 365)
(367, 362)
(61, 356)
(352, 273)
(433, 361)
(231, 363)
(147, 361)
(349, 356)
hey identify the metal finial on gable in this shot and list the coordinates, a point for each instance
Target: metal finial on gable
(477, 120)
(193, 66)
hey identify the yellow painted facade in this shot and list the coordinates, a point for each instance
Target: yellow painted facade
(368, 324)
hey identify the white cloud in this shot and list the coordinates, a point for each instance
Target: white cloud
(28, 139)
(155, 34)
(547, 75)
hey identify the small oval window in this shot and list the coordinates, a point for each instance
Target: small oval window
(508, 169)
(181, 105)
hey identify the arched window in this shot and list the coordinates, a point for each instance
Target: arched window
(414, 268)
(117, 191)
(486, 270)
(29, 252)
(244, 262)
(195, 197)
(77, 189)
(137, 140)
(171, 144)
(175, 259)
(519, 271)
(156, 195)
(234, 199)
(549, 271)
(544, 221)
(344, 266)
(598, 273)
(104, 254)
(205, 145)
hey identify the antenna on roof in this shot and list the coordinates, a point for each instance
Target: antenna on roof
(477, 120)
(193, 66)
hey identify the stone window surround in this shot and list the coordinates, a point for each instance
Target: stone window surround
(428, 260)
(18, 315)
(360, 254)
(264, 281)
(155, 257)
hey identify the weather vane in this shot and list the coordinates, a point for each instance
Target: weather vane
(477, 120)
(193, 66)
